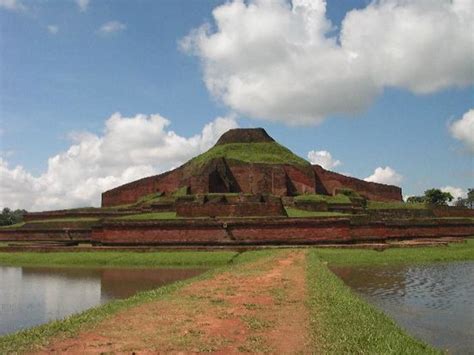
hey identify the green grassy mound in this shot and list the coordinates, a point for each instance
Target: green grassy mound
(147, 216)
(296, 213)
(338, 199)
(379, 205)
(264, 153)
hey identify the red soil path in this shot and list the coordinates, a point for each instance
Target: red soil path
(254, 307)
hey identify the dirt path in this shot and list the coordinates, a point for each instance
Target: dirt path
(256, 307)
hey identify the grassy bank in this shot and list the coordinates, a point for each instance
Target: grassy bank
(337, 199)
(395, 205)
(342, 323)
(121, 259)
(147, 216)
(30, 339)
(453, 252)
(296, 213)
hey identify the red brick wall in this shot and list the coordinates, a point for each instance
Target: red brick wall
(36, 216)
(380, 231)
(274, 231)
(302, 179)
(291, 231)
(79, 235)
(453, 212)
(131, 192)
(328, 182)
(279, 180)
(160, 234)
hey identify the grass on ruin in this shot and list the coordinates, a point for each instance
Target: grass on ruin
(452, 252)
(264, 153)
(379, 205)
(33, 338)
(120, 259)
(13, 226)
(68, 219)
(337, 199)
(40, 223)
(147, 216)
(342, 323)
(296, 213)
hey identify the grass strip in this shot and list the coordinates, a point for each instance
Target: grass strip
(337, 199)
(33, 338)
(160, 259)
(342, 323)
(13, 226)
(453, 252)
(295, 213)
(375, 205)
(147, 216)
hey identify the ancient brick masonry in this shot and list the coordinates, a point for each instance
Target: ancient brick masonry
(279, 180)
(328, 182)
(231, 206)
(273, 231)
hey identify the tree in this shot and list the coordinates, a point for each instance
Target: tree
(437, 197)
(467, 202)
(9, 217)
(470, 198)
(416, 199)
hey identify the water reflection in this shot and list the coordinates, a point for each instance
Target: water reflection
(433, 302)
(30, 295)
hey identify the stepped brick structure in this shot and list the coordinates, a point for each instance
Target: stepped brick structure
(241, 192)
(221, 174)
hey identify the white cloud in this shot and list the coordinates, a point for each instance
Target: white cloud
(53, 29)
(111, 27)
(385, 176)
(83, 5)
(463, 130)
(279, 61)
(12, 5)
(323, 158)
(456, 192)
(129, 148)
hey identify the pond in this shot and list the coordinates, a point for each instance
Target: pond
(31, 296)
(434, 302)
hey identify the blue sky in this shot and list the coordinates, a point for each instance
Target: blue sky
(71, 77)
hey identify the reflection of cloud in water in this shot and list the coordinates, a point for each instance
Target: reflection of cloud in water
(31, 295)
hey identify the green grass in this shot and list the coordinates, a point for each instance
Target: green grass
(182, 191)
(30, 339)
(453, 252)
(342, 323)
(120, 259)
(340, 198)
(265, 153)
(379, 205)
(69, 219)
(13, 226)
(295, 213)
(147, 216)
(53, 220)
(149, 198)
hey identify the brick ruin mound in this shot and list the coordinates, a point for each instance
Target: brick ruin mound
(246, 174)
(248, 161)
(245, 135)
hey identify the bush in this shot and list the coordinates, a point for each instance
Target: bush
(9, 217)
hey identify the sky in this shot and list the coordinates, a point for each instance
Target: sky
(97, 93)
